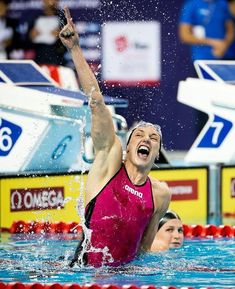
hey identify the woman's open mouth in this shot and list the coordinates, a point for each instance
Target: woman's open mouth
(143, 151)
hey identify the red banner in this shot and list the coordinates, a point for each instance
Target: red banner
(183, 190)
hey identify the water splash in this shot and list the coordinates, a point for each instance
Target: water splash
(85, 246)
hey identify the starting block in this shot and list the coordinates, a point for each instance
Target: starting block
(42, 126)
(214, 94)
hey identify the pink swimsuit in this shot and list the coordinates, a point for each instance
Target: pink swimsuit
(118, 216)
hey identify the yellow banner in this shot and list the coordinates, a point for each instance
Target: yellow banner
(228, 195)
(55, 197)
(44, 198)
(189, 192)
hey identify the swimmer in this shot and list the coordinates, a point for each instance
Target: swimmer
(123, 204)
(170, 233)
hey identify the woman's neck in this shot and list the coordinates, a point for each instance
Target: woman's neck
(137, 175)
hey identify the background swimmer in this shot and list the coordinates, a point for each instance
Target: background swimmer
(170, 233)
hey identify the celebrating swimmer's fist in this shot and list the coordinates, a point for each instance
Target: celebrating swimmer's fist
(68, 34)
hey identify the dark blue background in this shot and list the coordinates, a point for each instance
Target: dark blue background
(159, 104)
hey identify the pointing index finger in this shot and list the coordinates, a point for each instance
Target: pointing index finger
(67, 15)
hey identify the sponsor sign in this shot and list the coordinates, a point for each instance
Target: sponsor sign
(36, 199)
(183, 190)
(228, 195)
(233, 188)
(42, 198)
(189, 188)
(129, 59)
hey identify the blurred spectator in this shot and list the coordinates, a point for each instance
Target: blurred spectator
(231, 4)
(43, 33)
(208, 27)
(7, 30)
(231, 51)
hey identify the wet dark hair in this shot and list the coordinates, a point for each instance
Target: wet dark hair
(144, 124)
(169, 215)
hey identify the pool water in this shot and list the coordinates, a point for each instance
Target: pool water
(36, 258)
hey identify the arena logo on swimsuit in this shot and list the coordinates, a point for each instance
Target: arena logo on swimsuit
(133, 192)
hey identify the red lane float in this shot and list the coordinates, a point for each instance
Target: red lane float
(53, 286)
(34, 286)
(3, 285)
(226, 231)
(18, 285)
(190, 231)
(110, 286)
(211, 230)
(72, 286)
(34, 227)
(208, 231)
(91, 286)
(187, 230)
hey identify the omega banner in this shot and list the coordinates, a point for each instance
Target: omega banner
(42, 198)
(228, 195)
(189, 189)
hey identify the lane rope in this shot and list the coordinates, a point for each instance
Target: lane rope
(19, 285)
(190, 231)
